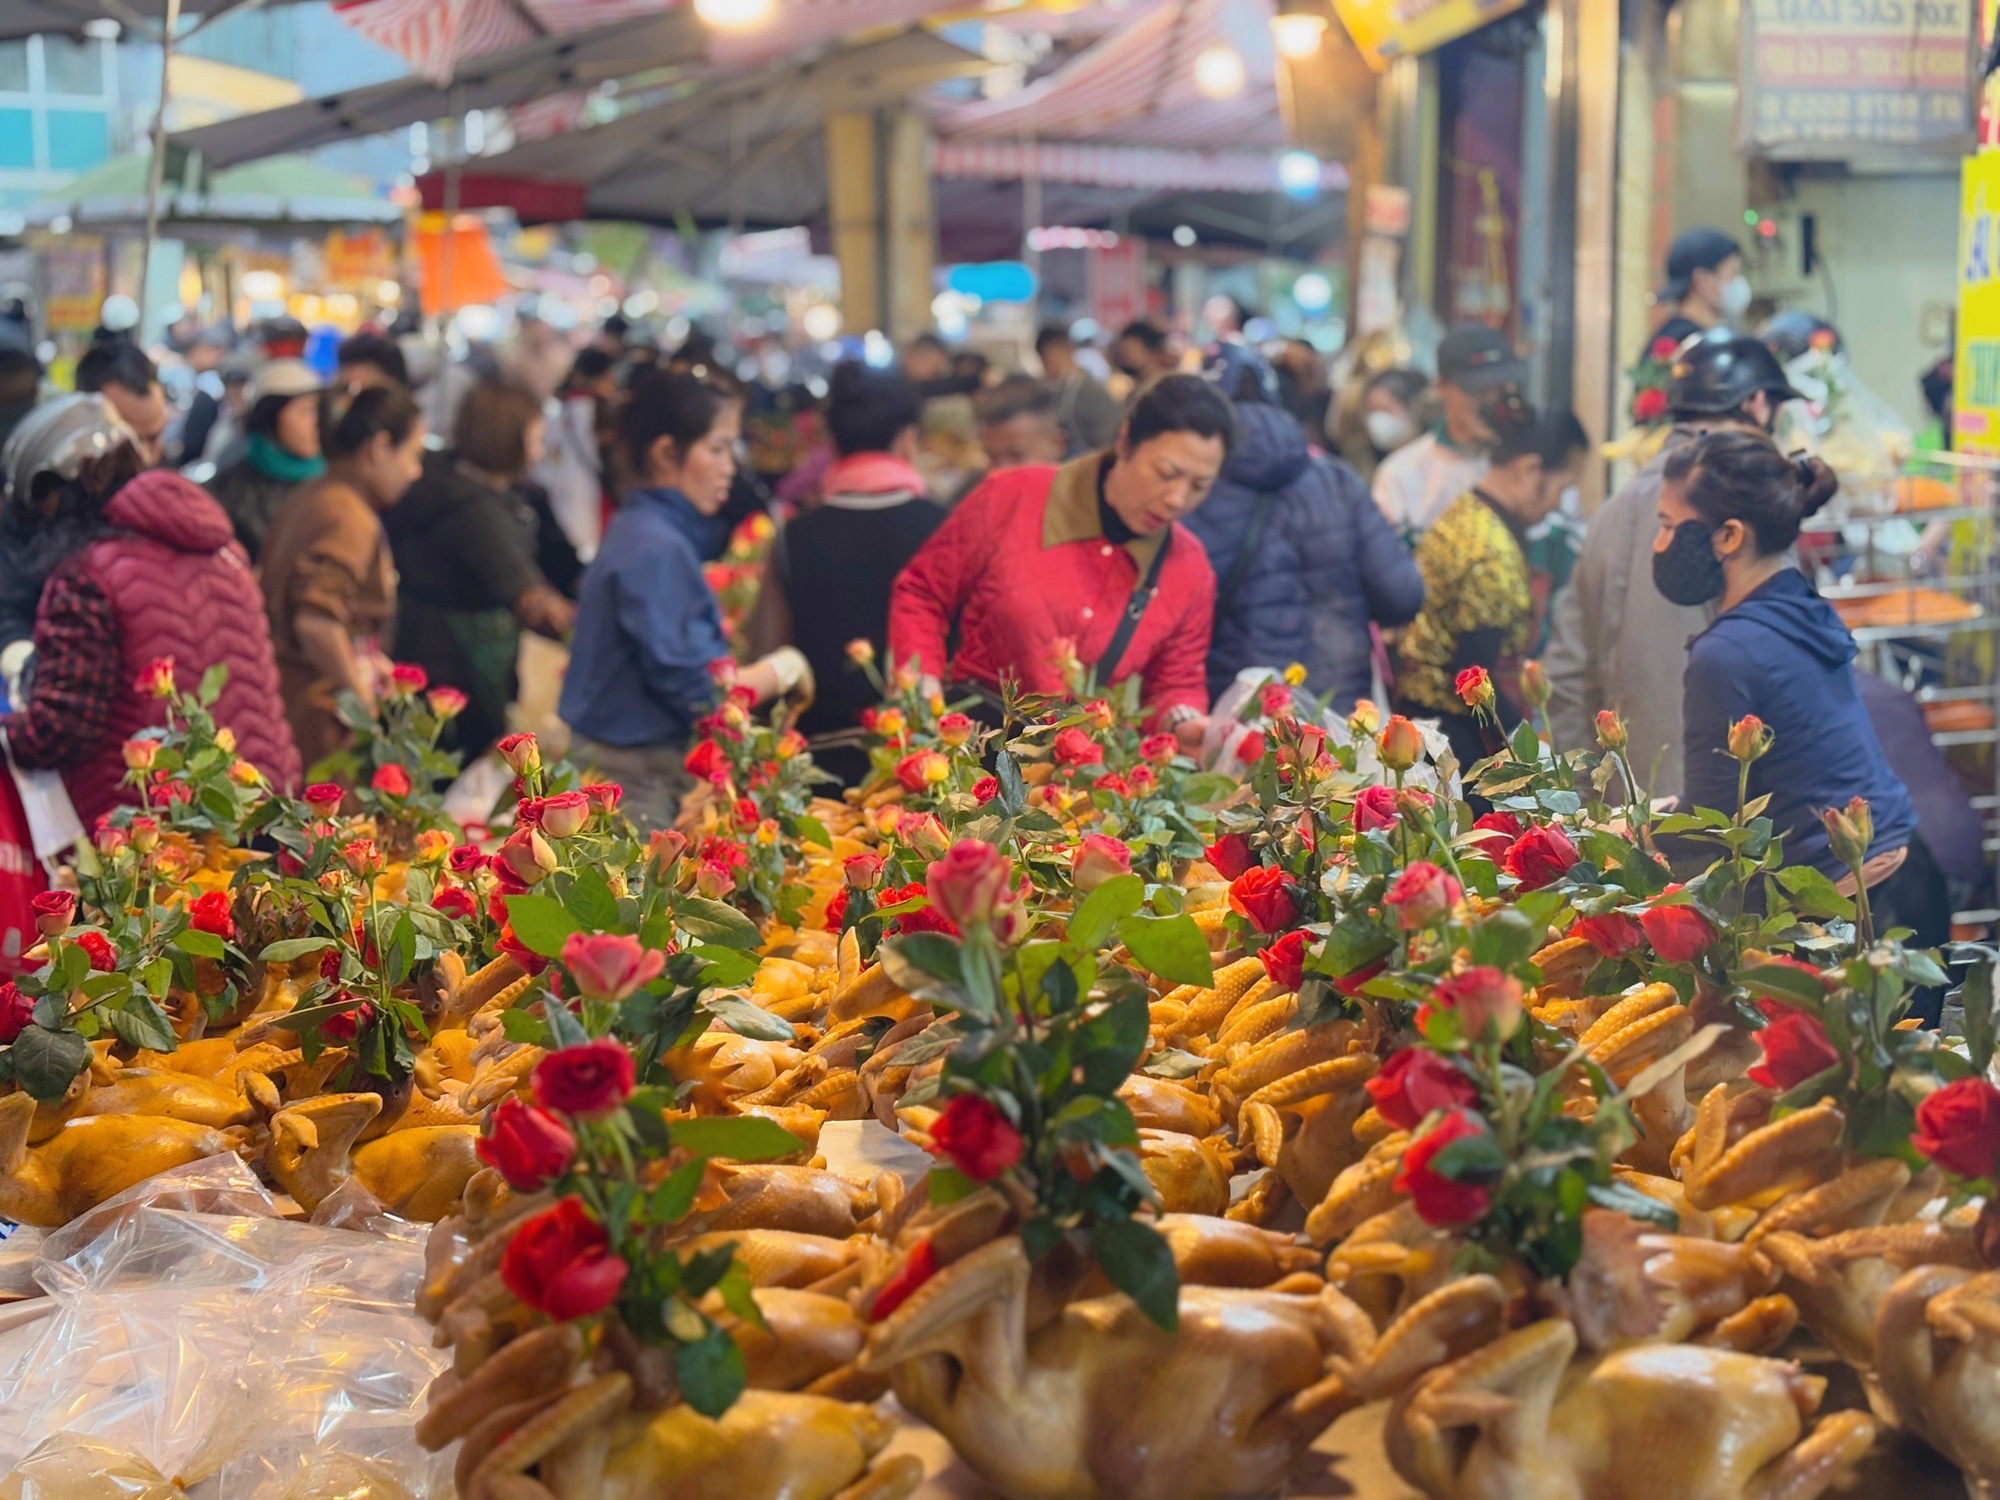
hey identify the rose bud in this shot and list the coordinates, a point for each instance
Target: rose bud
(1416, 1081)
(1679, 934)
(102, 959)
(1365, 720)
(1274, 701)
(324, 798)
(1611, 733)
(1535, 683)
(1749, 738)
(972, 1133)
(1614, 934)
(923, 770)
(456, 903)
(1851, 832)
(522, 752)
(1285, 961)
(432, 846)
(861, 651)
(210, 913)
(1075, 748)
(1439, 1199)
(1099, 714)
(560, 1263)
(363, 858)
(16, 1012)
(528, 855)
(1958, 1127)
(588, 1080)
(391, 781)
(1401, 744)
(1097, 859)
(156, 678)
(863, 871)
(610, 965)
(1540, 857)
(985, 789)
(1250, 749)
(140, 753)
(145, 833)
(1483, 999)
(54, 912)
(1795, 1048)
(955, 729)
(446, 702)
(1423, 894)
(1266, 897)
(1475, 688)
(407, 679)
(924, 834)
(970, 882)
(564, 814)
(529, 1147)
(714, 880)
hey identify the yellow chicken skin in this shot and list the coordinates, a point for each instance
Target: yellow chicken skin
(91, 1159)
(418, 1173)
(1515, 1421)
(179, 1096)
(1937, 1346)
(769, 1445)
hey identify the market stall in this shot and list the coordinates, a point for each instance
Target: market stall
(1059, 1112)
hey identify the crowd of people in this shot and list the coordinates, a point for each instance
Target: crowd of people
(1193, 517)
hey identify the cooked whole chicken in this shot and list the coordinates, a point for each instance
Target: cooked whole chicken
(1937, 1359)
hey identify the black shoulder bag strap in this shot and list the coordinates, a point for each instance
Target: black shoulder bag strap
(1135, 611)
(1239, 566)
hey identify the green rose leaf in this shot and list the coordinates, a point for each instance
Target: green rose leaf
(47, 1062)
(1171, 947)
(1138, 1262)
(712, 922)
(737, 1137)
(711, 1372)
(541, 923)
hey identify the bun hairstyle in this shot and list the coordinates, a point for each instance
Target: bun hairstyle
(1741, 476)
(349, 424)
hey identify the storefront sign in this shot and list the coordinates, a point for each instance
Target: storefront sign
(1824, 78)
(1387, 29)
(72, 282)
(1976, 386)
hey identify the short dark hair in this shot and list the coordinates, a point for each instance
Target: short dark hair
(491, 432)
(1402, 382)
(591, 364)
(376, 349)
(867, 408)
(115, 363)
(1016, 396)
(1552, 437)
(20, 378)
(346, 427)
(929, 341)
(1733, 475)
(672, 405)
(1051, 335)
(1181, 403)
(1140, 331)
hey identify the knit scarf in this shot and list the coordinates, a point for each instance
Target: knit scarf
(274, 462)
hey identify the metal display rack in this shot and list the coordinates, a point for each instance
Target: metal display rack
(1917, 577)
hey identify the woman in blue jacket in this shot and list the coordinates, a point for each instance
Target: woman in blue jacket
(647, 626)
(1303, 559)
(1730, 509)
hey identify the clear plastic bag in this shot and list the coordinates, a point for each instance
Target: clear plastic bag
(196, 1335)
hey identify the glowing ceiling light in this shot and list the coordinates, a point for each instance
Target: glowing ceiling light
(1299, 173)
(735, 15)
(1218, 72)
(1313, 292)
(1297, 36)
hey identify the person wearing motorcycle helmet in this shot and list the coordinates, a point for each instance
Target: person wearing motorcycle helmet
(1790, 333)
(1616, 642)
(1705, 286)
(158, 575)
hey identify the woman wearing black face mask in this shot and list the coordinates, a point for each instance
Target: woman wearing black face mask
(1730, 508)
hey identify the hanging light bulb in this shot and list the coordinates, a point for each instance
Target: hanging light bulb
(1218, 72)
(1297, 36)
(735, 15)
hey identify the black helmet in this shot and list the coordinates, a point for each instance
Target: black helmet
(1714, 373)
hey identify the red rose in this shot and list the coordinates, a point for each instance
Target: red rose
(1374, 808)
(976, 1137)
(98, 946)
(705, 760)
(1112, 782)
(54, 911)
(1680, 934)
(1075, 748)
(1416, 1081)
(1231, 855)
(1250, 749)
(1614, 934)
(342, 1026)
(971, 883)
(1437, 1198)
(522, 752)
(836, 909)
(329, 964)
(530, 1147)
(1795, 1049)
(1496, 832)
(1422, 894)
(1097, 859)
(1266, 897)
(325, 797)
(408, 678)
(210, 913)
(1664, 348)
(560, 1263)
(530, 961)
(155, 679)
(1159, 748)
(1649, 405)
(1540, 857)
(585, 1081)
(1958, 1127)
(1481, 998)
(1352, 983)
(455, 902)
(985, 789)
(16, 1011)
(1474, 688)
(391, 780)
(1285, 960)
(564, 814)
(610, 965)
(447, 702)
(466, 860)
(919, 1266)
(604, 796)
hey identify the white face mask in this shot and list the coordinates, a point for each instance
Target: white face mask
(1388, 430)
(1736, 296)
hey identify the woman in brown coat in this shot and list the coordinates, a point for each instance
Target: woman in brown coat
(329, 579)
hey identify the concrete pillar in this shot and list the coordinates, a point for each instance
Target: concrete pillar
(911, 224)
(854, 216)
(1594, 362)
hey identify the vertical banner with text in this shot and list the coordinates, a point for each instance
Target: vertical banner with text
(1976, 368)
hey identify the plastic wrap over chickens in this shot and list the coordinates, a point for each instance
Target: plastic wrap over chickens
(198, 1343)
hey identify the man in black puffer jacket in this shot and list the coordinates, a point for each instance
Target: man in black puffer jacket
(1303, 559)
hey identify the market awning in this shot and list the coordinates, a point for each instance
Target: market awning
(549, 65)
(1136, 87)
(745, 148)
(19, 18)
(1092, 164)
(285, 189)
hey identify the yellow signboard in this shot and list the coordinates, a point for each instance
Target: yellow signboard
(1976, 370)
(1388, 29)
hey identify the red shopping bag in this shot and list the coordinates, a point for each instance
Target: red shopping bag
(21, 879)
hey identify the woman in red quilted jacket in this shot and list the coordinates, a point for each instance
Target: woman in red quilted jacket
(1037, 561)
(164, 577)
